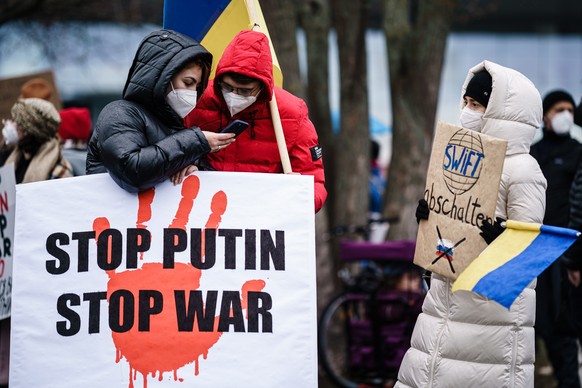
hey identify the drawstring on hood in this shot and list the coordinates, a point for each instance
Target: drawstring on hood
(252, 123)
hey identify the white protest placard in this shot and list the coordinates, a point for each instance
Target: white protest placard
(7, 211)
(207, 284)
(461, 190)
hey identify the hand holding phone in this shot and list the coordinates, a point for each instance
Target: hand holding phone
(236, 127)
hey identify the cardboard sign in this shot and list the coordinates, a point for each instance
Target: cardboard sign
(7, 211)
(10, 91)
(206, 284)
(461, 190)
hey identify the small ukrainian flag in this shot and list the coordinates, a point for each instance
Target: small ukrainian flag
(514, 259)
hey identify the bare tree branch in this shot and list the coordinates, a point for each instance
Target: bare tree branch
(55, 11)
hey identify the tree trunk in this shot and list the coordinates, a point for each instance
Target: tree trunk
(352, 162)
(315, 20)
(416, 34)
(316, 23)
(281, 17)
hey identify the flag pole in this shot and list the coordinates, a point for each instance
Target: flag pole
(279, 135)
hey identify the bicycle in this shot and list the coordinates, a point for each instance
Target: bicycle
(364, 332)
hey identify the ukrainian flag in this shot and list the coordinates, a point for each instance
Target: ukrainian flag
(214, 23)
(515, 258)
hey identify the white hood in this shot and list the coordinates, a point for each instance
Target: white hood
(514, 112)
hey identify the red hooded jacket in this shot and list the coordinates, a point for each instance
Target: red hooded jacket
(255, 149)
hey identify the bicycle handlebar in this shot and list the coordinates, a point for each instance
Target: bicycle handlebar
(362, 230)
(402, 251)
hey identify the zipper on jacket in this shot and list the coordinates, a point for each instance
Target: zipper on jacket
(513, 358)
(439, 337)
(253, 125)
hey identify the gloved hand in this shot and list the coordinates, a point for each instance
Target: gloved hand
(489, 231)
(422, 210)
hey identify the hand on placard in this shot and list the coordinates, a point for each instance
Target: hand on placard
(490, 232)
(422, 210)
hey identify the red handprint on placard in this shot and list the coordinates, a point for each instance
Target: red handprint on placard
(163, 348)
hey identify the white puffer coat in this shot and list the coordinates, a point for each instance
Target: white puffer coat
(463, 339)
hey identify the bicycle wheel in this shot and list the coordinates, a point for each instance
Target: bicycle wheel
(346, 351)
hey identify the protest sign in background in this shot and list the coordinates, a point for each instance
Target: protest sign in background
(241, 314)
(7, 210)
(461, 190)
(10, 90)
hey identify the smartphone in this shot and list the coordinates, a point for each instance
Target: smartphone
(236, 127)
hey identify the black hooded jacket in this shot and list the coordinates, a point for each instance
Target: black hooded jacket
(572, 258)
(140, 140)
(558, 157)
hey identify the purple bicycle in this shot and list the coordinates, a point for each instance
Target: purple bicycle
(364, 332)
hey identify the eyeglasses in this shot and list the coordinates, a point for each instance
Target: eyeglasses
(245, 92)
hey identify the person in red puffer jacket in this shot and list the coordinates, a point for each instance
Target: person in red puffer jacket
(241, 90)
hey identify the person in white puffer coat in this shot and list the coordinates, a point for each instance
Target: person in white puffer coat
(462, 339)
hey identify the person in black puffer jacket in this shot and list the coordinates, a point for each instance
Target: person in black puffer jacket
(141, 140)
(572, 258)
(557, 154)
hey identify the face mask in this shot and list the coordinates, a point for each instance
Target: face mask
(471, 119)
(10, 133)
(182, 101)
(562, 122)
(237, 103)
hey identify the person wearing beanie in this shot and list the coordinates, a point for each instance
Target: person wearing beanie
(463, 339)
(572, 258)
(33, 130)
(559, 112)
(37, 88)
(36, 156)
(558, 155)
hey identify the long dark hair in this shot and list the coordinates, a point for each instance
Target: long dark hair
(205, 75)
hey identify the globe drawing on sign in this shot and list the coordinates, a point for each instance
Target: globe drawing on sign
(463, 161)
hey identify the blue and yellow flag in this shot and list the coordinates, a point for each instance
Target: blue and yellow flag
(515, 258)
(214, 23)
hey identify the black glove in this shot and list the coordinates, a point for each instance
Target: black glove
(422, 210)
(490, 232)
(572, 258)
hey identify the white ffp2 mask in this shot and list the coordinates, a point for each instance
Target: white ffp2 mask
(237, 103)
(182, 101)
(562, 122)
(10, 133)
(471, 119)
